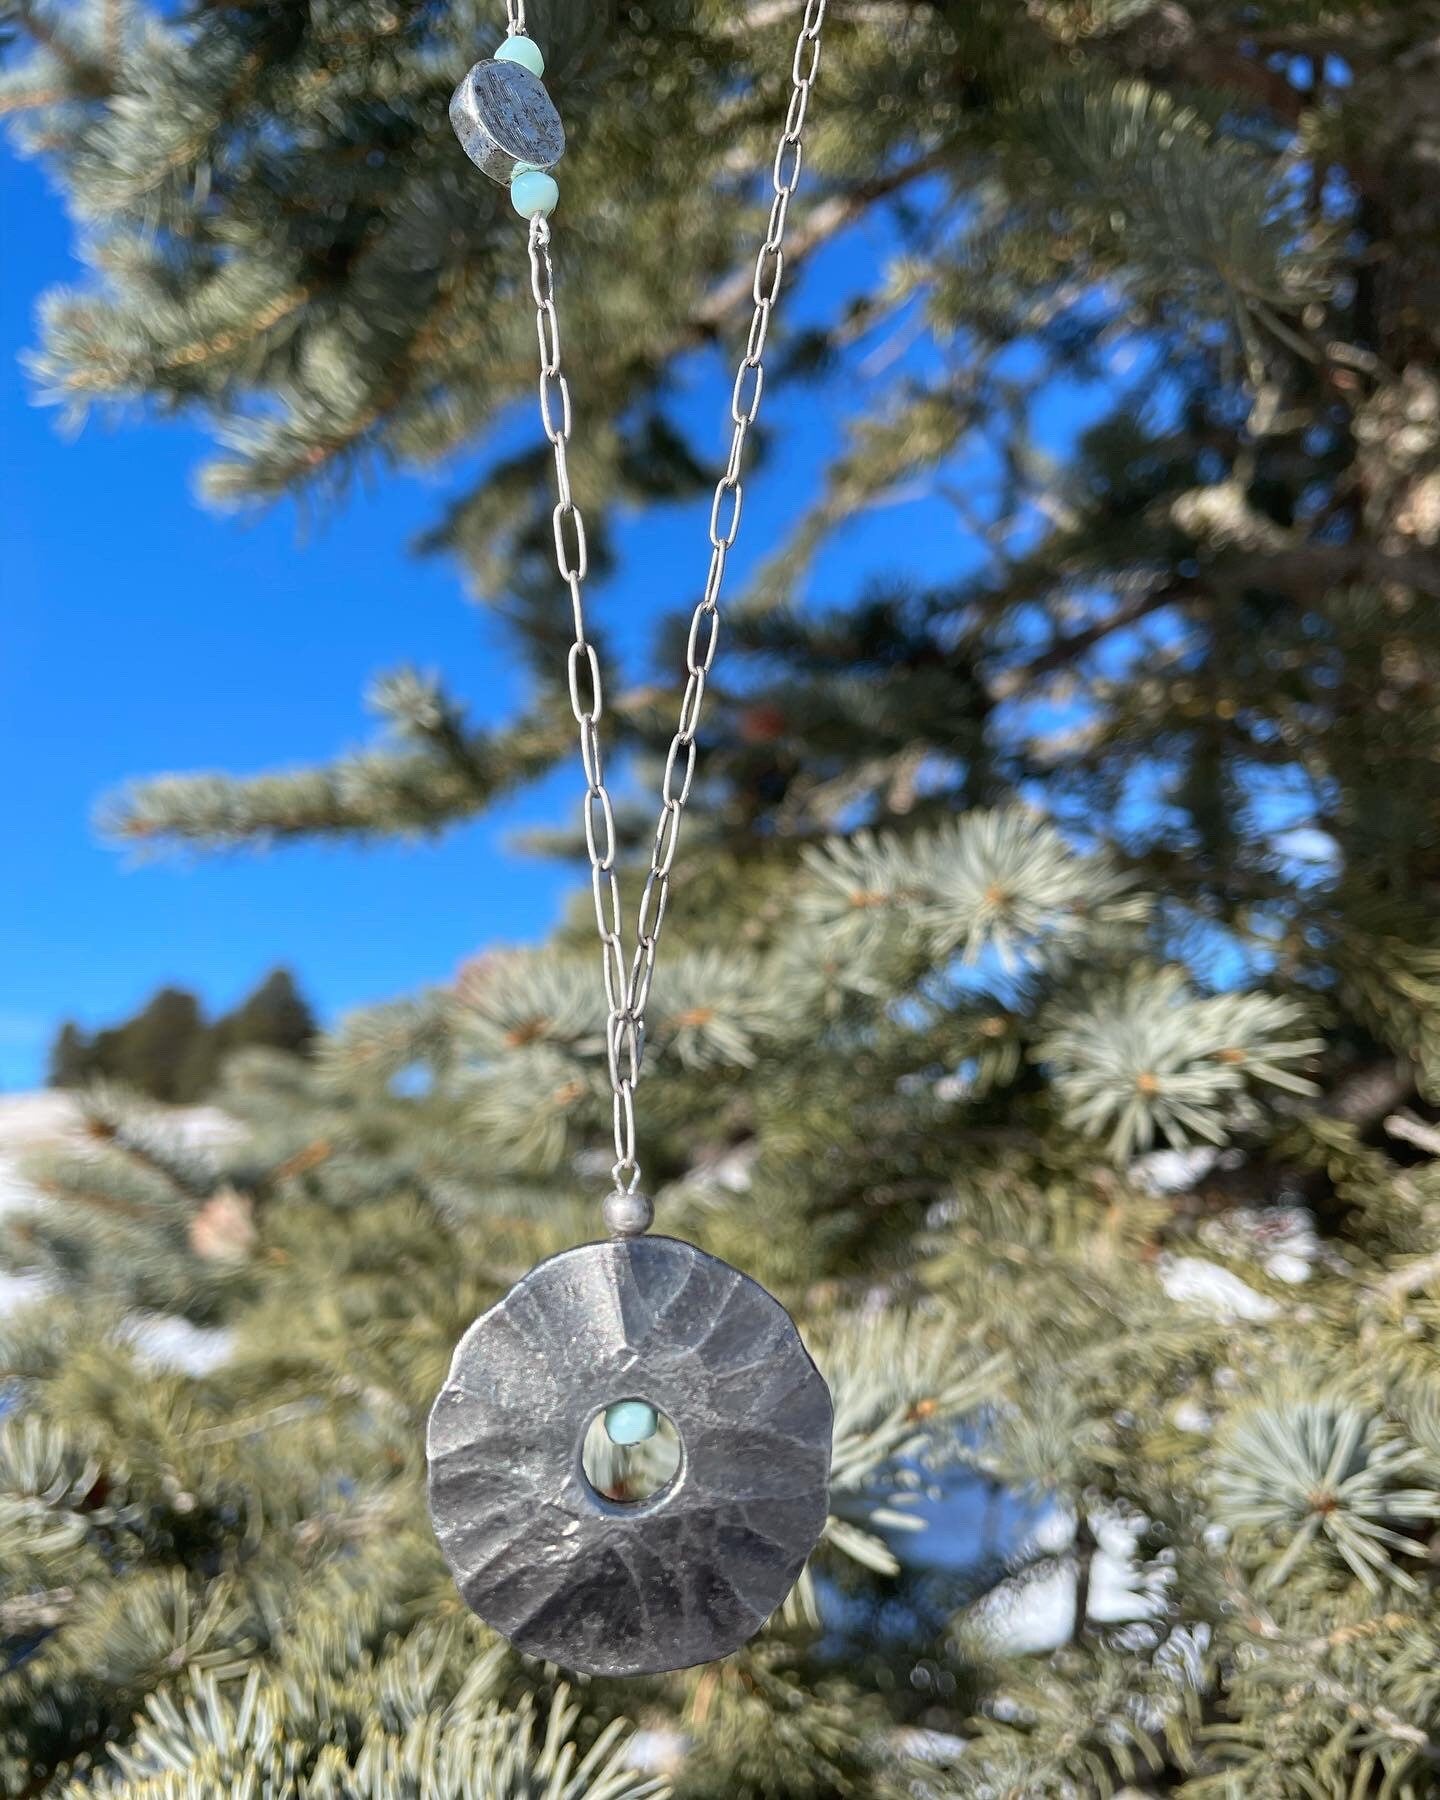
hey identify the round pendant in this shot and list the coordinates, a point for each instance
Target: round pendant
(591, 1583)
(503, 116)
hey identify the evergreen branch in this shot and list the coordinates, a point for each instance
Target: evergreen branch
(82, 71)
(1298, 1471)
(417, 1740)
(114, 32)
(373, 793)
(1192, 203)
(222, 343)
(113, 1118)
(1148, 1057)
(29, 99)
(1071, 647)
(824, 222)
(1411, 1278)
(34, 1614)
(1002, 885)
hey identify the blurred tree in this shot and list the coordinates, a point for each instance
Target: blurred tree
(171, 1052)
(70, 1057)
(274, 1017)
(1053, 964)
(164, 1050)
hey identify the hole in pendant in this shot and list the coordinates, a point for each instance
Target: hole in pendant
(631, 1452)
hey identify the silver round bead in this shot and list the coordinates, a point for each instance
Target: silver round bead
(628, 1215)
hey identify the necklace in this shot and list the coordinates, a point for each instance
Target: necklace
(626, 1335)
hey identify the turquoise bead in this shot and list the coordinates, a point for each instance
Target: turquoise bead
(524, 51)
(631, 1422)
(532, 191)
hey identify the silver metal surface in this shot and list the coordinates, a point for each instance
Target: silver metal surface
(628, 1215)
(688, 1574)
(627, 985)
(502, 115)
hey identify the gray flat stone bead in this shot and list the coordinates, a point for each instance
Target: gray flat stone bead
(502, 115)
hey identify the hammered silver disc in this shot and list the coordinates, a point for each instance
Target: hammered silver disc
(687, 1575)
(503, 116)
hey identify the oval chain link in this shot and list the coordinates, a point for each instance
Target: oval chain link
(627, 985)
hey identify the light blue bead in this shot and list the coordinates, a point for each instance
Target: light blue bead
(523, 50)
(631, 1422)
(532, 192)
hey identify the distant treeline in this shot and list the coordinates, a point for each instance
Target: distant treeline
(170, 1050)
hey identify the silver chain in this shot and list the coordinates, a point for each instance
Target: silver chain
(515, 16)
(627, 989)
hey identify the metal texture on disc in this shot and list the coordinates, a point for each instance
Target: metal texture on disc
(688, 1574)
(502, 115)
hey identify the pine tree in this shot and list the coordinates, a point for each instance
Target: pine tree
(71, 1057)
(1050, 1004)
(164, 1050)
(274, 1017)
(170, 1051)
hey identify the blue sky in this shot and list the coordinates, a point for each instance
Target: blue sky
(146, 634)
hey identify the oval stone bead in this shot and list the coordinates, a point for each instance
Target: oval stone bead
(533, 192)
(631, 1422)
(522, 50)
